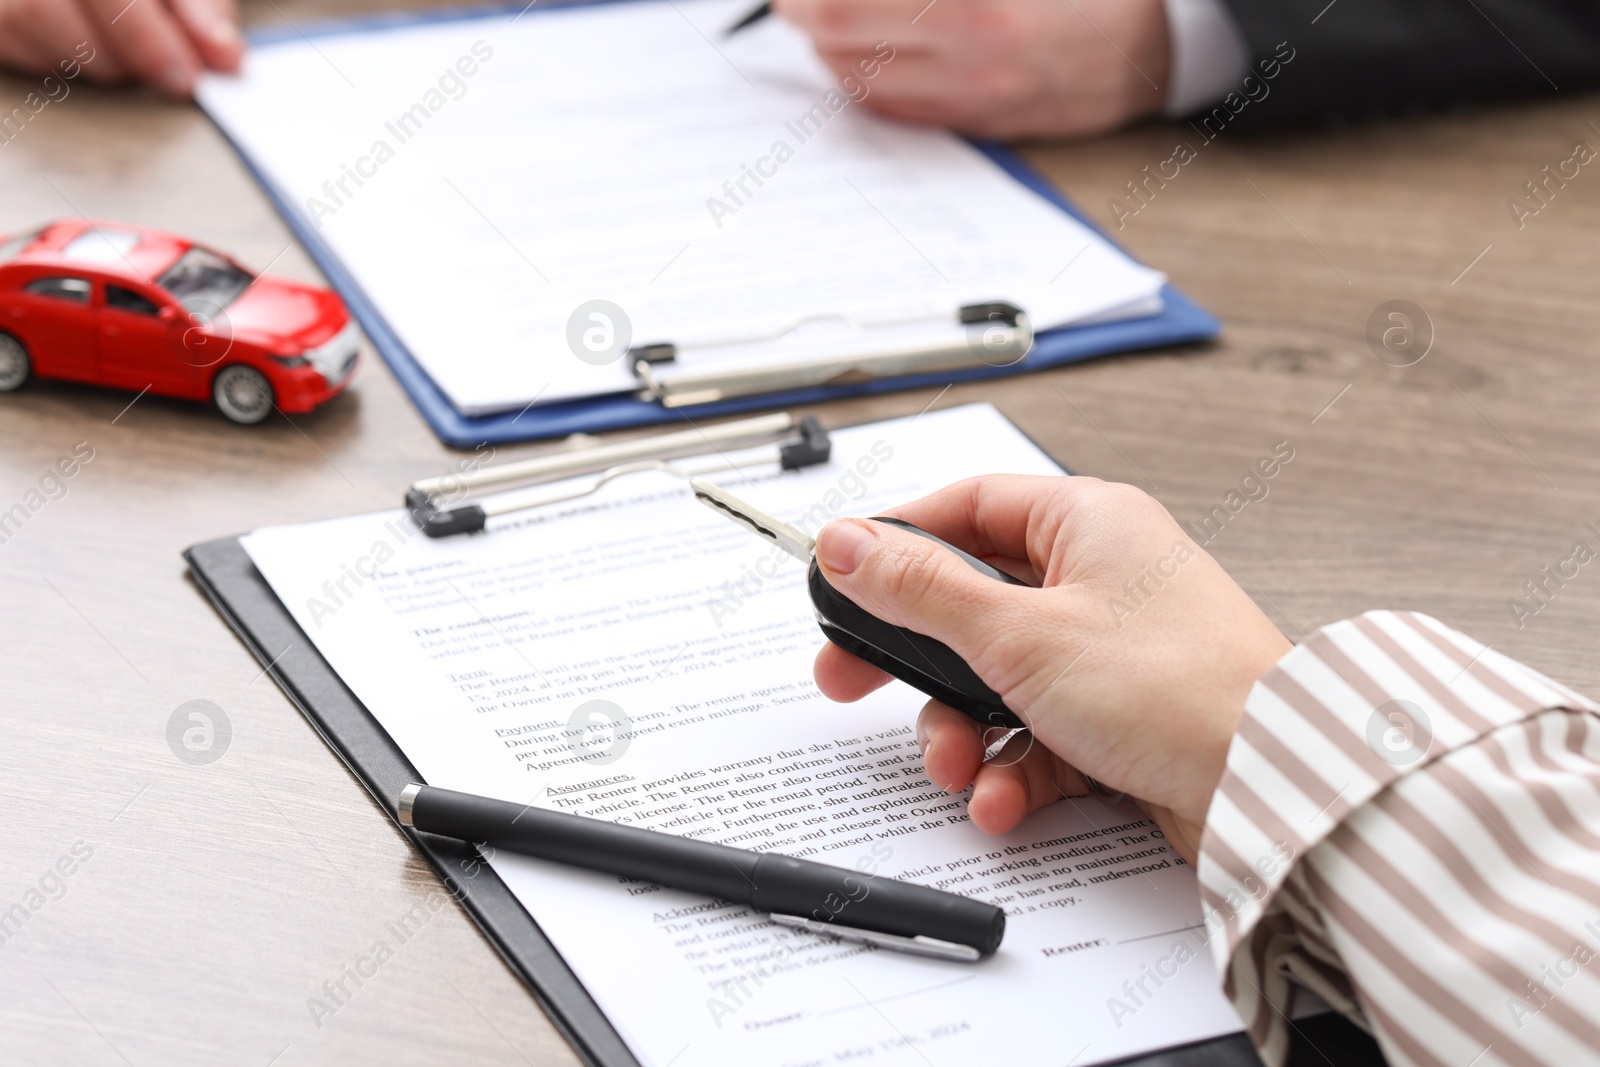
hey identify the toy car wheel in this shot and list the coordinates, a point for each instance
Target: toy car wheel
(243, 394)
(15, 367)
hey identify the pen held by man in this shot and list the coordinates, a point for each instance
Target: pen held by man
(756, 15)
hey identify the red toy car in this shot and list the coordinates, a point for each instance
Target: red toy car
(140, 309)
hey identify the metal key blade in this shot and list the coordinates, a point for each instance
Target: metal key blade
(789, 538)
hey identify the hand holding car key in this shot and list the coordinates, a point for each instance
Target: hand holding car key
(917, 660)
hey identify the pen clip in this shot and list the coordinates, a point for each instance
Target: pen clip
(921, 945)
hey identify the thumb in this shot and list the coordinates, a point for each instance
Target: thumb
(912, 582)
(213, 27)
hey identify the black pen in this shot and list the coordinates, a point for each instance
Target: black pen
(798, 893)
(749, 20)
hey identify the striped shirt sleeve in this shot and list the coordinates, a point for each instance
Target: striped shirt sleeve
(1409, 826)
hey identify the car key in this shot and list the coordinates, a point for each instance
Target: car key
(916, 659)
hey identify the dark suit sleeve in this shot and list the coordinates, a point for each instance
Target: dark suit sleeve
(1370, 58)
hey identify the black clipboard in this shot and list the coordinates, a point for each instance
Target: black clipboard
(225, 573)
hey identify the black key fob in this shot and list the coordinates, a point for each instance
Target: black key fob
(914, 658)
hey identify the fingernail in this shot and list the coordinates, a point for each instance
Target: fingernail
(176, 80)
(842, 545)
(922, 738)
(224, 33)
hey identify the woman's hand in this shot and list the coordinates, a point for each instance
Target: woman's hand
(1130, 663)
(998, 68)
(164, 43)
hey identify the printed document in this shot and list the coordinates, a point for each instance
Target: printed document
(632, 655)
(491, 183)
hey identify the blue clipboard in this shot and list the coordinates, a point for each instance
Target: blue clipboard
(1181, 320)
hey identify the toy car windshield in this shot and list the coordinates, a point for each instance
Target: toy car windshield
(204, 281)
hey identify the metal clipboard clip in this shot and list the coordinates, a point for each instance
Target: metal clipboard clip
(995, 334)
(442, 506)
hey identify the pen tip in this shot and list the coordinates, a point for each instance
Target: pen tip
(749, 20)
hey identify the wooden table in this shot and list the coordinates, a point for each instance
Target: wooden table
(218, 898)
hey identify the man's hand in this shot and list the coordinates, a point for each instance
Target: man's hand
(1130, 663)
(999, 68)
(164, 43)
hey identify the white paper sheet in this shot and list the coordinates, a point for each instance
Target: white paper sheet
(482, 655)
(713, 190)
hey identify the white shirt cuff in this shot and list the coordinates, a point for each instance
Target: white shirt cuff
(1210, 56)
